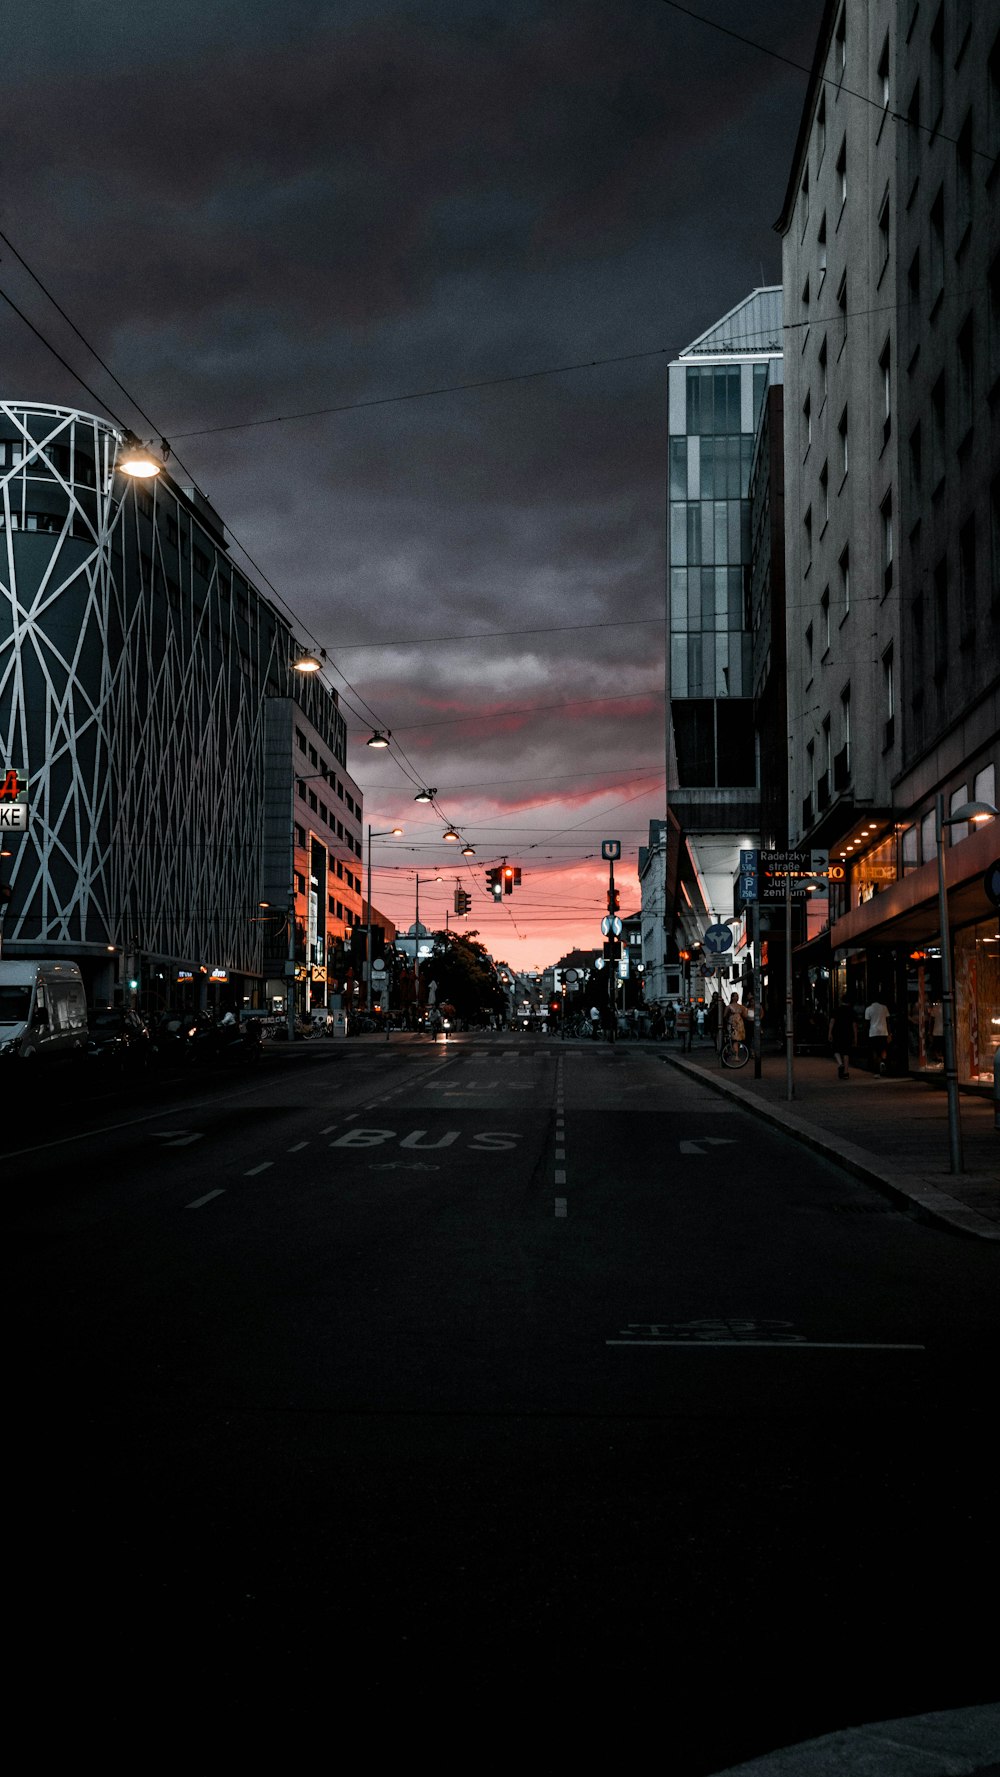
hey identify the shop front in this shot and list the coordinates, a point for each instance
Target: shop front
(890, 945)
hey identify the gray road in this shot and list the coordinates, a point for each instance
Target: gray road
(520, 1377)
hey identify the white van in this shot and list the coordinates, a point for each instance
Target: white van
(43, 1010)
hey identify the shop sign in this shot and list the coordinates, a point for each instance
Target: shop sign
(13, 800)
(219, 975)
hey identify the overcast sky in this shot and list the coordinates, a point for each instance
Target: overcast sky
(253, 209)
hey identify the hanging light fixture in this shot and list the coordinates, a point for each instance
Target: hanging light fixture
(310, 663)
(451, 834)
(138, 461)
(378, 739)
(468, 851)
(425, 796)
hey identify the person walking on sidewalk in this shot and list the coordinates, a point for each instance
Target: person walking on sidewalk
(877, 1016)
(843, 1038)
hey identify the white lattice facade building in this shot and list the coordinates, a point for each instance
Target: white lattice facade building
(143, 682)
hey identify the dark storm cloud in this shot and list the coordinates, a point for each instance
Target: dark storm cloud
(252, 209)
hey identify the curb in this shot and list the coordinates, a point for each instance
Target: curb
(925, 1195)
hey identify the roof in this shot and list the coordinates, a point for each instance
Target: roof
(754, 325)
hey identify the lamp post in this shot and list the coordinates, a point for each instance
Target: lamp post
(969, 811)
(382, 833)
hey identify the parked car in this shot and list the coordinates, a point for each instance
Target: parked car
(119, 1040)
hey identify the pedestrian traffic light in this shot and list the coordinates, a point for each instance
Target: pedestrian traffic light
(614, 900)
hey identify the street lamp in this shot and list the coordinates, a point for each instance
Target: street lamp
(451, 834)
(382, 833)
(378, 739)
(310, 663)
(425, 796)
(969, 811)
(138, 461)
(468, 851)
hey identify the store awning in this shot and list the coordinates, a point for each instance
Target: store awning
(907, 911)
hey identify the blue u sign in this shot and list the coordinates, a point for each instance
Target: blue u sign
(611, 849)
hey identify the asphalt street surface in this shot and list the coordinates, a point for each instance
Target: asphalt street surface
(502, 1397)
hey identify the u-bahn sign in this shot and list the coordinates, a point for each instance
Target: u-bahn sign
(13, 800)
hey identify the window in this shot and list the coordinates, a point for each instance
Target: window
(300, 834)
(888, 699)
(842, 172)
(842, 436)
(941, 621)
(842, 311)
(824, 495)
(809, 654)
(914, 138)
(807, 426)
(883, 74)
(885, 379)
(884, 217)
(886, 513)
(807, 528)
(805, 301)
(824, 382)
(967, 580)
(966, 378)
(916, 456)
(840, 45)
(938, 431)
(804, 194)
(936, 266)
(824, 618)
(963, 182)
(300, 740)
(821, 128)
(844, 564)
(821, 254)
(937, 69)
(845, 727)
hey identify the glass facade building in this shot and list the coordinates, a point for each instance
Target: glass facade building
(716, 389)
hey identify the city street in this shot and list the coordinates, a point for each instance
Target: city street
(501, 1384)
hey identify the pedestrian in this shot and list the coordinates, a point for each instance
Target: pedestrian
(595, 1023)
(877, 1015)
(700, 1015)
(682, 1025)
(734, 1028)
(447, 1017)
(843, 1037)
(712, 1020)
(434, 1022)
(659, 1025)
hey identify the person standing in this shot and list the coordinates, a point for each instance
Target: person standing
(683, 1027)
(734, 1027)
(843, 1037)
(877, 1016)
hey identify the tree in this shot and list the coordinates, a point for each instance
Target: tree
(465, 975)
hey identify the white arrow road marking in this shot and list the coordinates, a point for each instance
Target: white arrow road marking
(401, 1166)
(691, 1147)
(177, 1138)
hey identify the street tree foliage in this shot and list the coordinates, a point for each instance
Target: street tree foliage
(465, 975)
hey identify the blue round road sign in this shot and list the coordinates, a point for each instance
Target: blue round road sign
(718, 937)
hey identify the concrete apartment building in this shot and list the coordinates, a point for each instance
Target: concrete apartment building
(892, 308)
(179, 771)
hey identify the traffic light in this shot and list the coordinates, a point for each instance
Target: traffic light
(508, 879)
(463, 900)
(554, 1007)
(495, 880)
(614, 900)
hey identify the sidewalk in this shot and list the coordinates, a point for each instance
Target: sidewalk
(891, 1132)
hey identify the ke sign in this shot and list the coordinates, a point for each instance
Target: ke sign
(13, 801)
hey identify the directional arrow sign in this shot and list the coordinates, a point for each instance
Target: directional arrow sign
(717, 937)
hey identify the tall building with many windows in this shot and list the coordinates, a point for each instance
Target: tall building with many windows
(179, 771)
(716, 388)
(891, 230)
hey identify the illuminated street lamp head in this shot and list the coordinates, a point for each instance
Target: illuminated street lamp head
(451, 834)
(468, 851)
(971, 811)
(310, 663)
(425, 796)
(138, 461)
(378, 739)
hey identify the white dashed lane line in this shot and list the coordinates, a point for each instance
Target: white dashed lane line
(299, 1145)
(206, 1199)
(254, 1170)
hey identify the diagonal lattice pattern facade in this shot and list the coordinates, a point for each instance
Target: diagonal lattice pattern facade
(136, 663)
